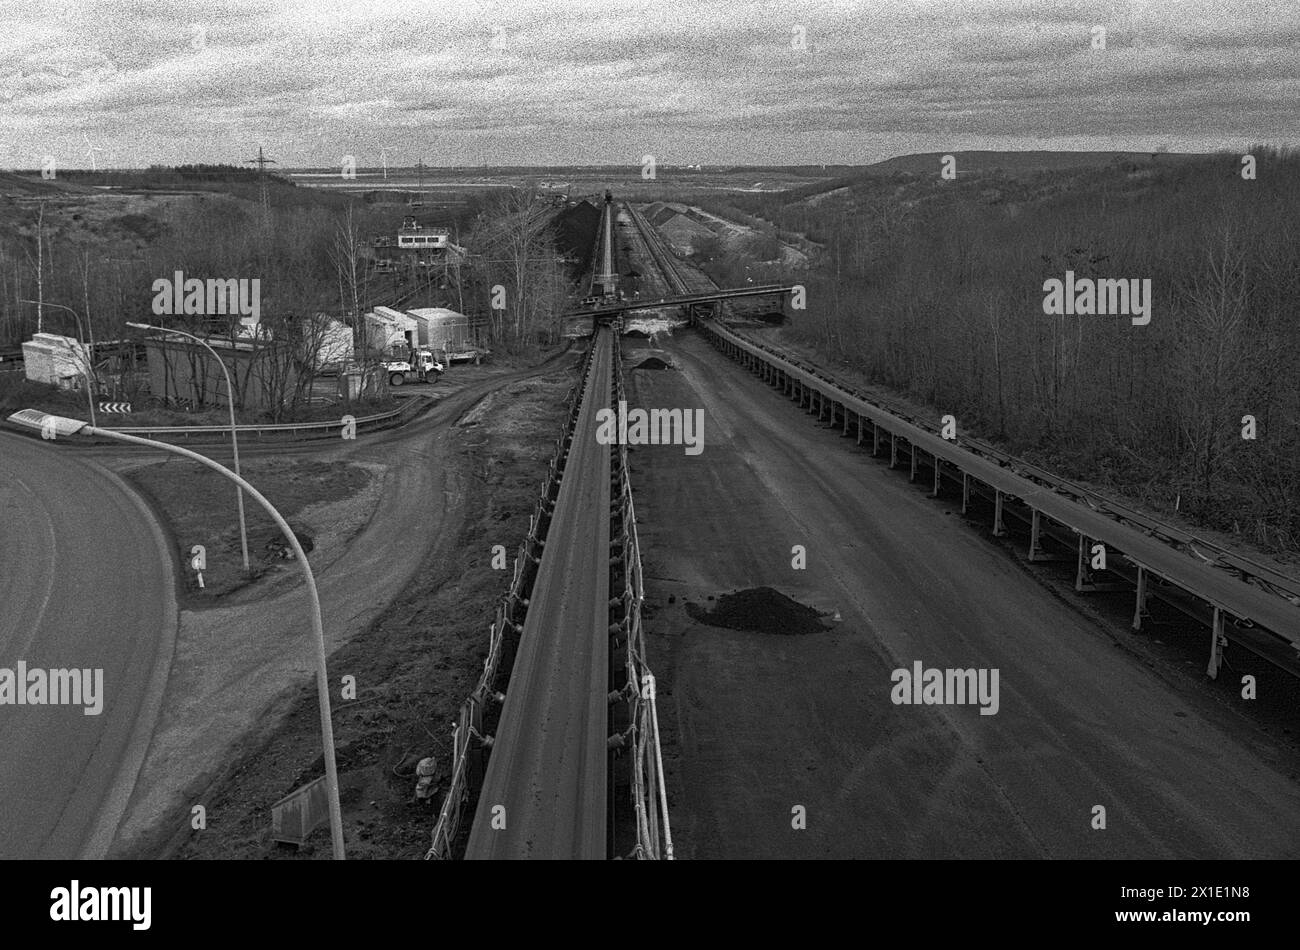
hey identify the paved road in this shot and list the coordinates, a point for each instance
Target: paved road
(85, 582)
(764, 723)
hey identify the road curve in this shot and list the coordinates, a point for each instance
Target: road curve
(86, 582)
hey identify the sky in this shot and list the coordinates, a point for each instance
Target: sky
(126, 83)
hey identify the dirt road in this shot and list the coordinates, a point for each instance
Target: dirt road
(237, 668)
(763, 728)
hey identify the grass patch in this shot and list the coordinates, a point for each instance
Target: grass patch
(199, 508)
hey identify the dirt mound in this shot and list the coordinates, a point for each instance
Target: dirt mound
(761, 609)
(653, 362)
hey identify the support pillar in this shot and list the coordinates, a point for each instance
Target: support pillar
(859, 430)
(912, 454)
(999, 528)
(893, 450)
(1217, 642)
(965, 491)
(1035, 533)
(1140, 610)
(938, 476)
(875, 439)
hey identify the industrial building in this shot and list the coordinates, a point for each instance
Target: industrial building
(264, 372)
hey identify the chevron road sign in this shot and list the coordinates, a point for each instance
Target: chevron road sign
(114, 407)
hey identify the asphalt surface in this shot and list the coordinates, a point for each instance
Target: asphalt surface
(544, 792)
(762, 725)
(86, 583)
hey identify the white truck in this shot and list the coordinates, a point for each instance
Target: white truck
(423, 368)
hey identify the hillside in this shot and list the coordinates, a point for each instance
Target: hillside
(936, 289)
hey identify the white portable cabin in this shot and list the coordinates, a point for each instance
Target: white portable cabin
(441, 328)
(387, 328)
(55, 360)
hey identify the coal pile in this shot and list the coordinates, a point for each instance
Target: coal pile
(652, 362)
(760, 609)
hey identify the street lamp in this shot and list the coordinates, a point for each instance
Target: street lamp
(53, 426)
(90, 359)
(234, 438)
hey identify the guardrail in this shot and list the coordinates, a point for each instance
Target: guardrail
(411, 406)
(470, 742)
(649, 792)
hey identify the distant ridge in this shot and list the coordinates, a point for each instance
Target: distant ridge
(985, 161)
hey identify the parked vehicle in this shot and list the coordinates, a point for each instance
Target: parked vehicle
(422, 368)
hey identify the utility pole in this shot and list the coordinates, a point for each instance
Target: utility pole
(261, 162)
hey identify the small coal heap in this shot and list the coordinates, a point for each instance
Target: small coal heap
(652, 362)
(278, 547)
(761, 609)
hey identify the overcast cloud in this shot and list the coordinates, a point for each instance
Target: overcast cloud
(523, 82)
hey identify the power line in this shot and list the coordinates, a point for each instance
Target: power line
(261, 162)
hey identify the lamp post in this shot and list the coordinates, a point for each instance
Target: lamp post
(90, 359)
(56, 425)
(234, 438)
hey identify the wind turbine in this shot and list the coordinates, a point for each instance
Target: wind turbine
(383, 157)
(91, 150)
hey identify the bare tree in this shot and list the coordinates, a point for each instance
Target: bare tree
(514, 249)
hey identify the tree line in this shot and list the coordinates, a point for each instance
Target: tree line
(940, 295)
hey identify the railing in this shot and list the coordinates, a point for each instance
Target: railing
(470, 745)
(649, 793)
(1240, 601)
(1247, 570)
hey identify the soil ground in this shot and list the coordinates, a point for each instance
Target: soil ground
(413, 665)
